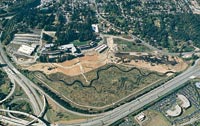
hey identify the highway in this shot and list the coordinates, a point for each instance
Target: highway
(16, 76)
(13, 76)
(23, 122)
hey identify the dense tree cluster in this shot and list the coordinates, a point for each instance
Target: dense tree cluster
(52, 19)
(80, 31)
(161, 23)
(172, 29)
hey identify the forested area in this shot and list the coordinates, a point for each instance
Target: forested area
(51, 19)
(172, 30)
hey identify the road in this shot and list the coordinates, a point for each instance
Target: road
(29, 93)
(23, 122)
(24, 83)
(32, 94)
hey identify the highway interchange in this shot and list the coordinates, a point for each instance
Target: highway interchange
(103, 119)
(17, 77)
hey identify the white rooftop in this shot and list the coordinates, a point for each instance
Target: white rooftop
(197, 84)
(140, 117)
(95, 28)
(49, 45)
(68, 46)
(26, 49)
(185, 102)
(176, 111)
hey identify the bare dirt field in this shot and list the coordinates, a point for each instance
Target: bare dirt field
(160, 67)
(93, 60)
(73, 67)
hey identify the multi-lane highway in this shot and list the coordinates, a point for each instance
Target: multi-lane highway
(24, 83)
(21, 121)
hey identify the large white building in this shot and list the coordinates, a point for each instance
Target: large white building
(185, 103)
(28, 50)
(70, 47)
(175, 111)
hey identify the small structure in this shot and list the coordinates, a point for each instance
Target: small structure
(28, 50)
(48, 46)
(95, 28)
(141, 117)
(84, 47)
(186, 56)
(101, 48)
(87, 46)
(185, 102)
(176, 111)
(197, 84)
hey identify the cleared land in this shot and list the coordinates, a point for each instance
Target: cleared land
(93, 60)
(73, 67)
(127, 46)
(153, 62)
(161, 67)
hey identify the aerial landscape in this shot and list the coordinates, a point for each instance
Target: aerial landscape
(100, 62)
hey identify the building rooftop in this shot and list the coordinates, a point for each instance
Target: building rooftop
(49, 45)
(176, 111)
(26, 49)
(185, 102)
(68, 46)
(197, 84)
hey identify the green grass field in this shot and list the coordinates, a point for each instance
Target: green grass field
(126, 46)
(55, 114)
(110, 85)
(78, 43)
